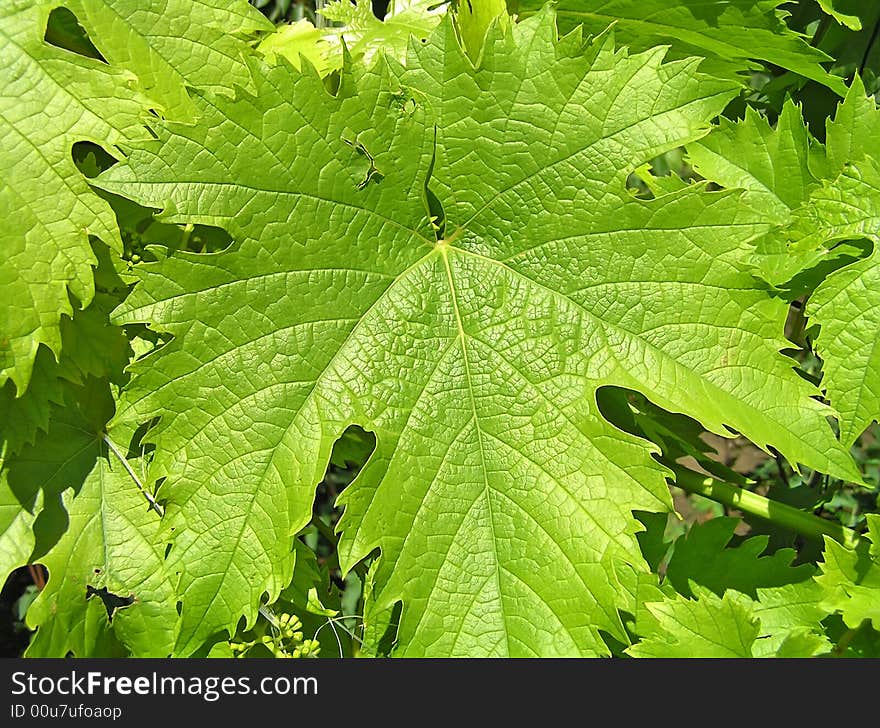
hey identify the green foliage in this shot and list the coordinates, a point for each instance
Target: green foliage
(850, 580)
(700, 557)
(187, 44)
(397, 351)
(728, 33)
(53, 99)
(357, 33)
(773, 625)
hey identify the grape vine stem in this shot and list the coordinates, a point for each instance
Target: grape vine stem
(805, 524)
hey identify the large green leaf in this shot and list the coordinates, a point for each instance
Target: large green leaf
(818, 196)
(449, 258)
(51, 99)
(847, 304)
(731, 34)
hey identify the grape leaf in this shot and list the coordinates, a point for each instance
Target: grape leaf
(109, 545)
(457, 274)
(175, 44)
(700, 557)
(853, 132)
(301, 38)
(818, 198)
(781, 622)
(474, 20)
(16, 528)
(850, 579)
(90, 346)
(710, 626)
(51, 99)
(731, 34)
(847, 304)
(771, 165)
(791, 620)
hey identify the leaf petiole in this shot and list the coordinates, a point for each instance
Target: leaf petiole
(805, 524)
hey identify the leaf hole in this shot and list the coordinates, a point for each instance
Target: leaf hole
(348, 456)
(65, 31)
(111, 601)
(90, 159)
(388, 641)
(372, 173)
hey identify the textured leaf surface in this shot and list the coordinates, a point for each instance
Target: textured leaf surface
(175, 44)
(770, 164)
(51, 99)
(847, 307)
(706, 627)
(847, 304)
(701, 557)
(499, 496)
(850, 579)
(819, 197)
(791, 621)
(729, 33)
(781, 622)
(854, 131)
(109, 542)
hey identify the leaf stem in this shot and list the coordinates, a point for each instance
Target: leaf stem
(843, 643)
(805, 524)
(821, 29)
(152, 501)
(36, 573)
(326, 531)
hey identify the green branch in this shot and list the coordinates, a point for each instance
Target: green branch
(805, 524)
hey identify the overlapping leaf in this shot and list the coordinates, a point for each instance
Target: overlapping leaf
(359, 33)
(853, 22)
(472, 229)
(771, 164)
(781, 622)
(850, 579)
(731, 34)
(847, 303)
(175, 44)
(700, 557)
(51, 99)
(103, 542)
(819, 197)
